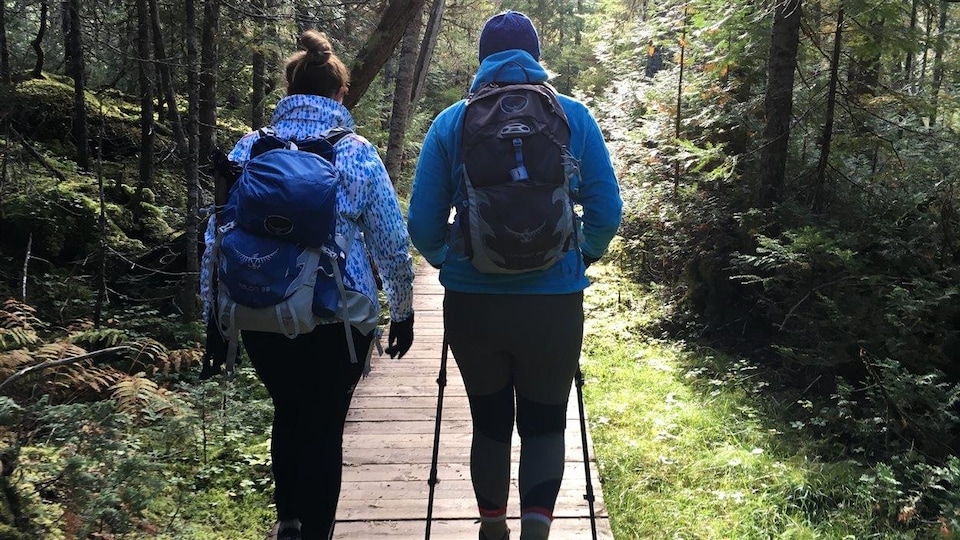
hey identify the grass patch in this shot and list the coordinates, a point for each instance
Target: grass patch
(692, 444)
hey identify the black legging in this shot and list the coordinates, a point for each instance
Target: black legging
(311, 381)
(516, 353)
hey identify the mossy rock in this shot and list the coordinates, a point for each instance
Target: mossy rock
(42, 110)
(39, 108)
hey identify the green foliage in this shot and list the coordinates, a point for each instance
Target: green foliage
(854, 306)
(695, 443)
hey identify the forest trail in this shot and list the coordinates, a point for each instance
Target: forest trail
(388, 445)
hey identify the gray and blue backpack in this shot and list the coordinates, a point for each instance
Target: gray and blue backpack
(519, 180)
(279, 261)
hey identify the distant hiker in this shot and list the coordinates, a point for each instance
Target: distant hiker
(311, 377)
(513, 261)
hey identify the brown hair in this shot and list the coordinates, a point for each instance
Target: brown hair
(315, 69)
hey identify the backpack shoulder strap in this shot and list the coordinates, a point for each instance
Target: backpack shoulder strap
(334, 135)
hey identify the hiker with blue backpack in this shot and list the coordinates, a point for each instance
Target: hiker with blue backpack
(513, 160)
(288, 270)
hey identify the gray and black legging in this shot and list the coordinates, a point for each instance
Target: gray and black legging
(311, 380)
(517, 354)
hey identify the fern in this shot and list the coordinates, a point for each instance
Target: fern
(148, 355)
(17, 314)
(138, 396)
(13, 361)
(57, 351)
(15, 338)
(180, 360)
(99, 337)
(18, 325)
(96, 378)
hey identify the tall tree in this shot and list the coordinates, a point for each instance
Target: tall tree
(75, 68)
(778, 100)
(430, 36)
(826, 139)
(263, 61)
(908, 61)
(402, 96)
(939, 48)
(192, 162)
(4, 49)
(209, 57)
(864, 72)
(144, 69)
(303, 17)
(379, 47)
(169, 93)
(37, 43)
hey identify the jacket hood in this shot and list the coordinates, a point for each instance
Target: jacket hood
(309, 108)
(511, 66)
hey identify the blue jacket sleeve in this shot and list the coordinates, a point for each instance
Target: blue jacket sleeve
(432, 195)
(386, 233)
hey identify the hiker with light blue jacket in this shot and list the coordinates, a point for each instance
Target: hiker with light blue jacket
(516, 336)
(311, 378)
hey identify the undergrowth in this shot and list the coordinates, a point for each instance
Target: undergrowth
(695, 444)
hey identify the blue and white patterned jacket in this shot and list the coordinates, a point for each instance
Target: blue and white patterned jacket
(365, 194)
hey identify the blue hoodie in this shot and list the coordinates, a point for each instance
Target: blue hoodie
(437, 189)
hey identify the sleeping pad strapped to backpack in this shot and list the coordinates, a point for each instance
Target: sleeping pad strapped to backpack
(280, 263)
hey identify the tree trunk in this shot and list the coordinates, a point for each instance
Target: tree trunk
(402, 96)
(209, 52)
(939, 48)
(819, 191)
(4, 50)
(380, 46)
(578, 37)
(166, 80)
(864, 73)
(908, 61)
(144, 68)
(38, 41)
(257, 95)
(188, 303)
(263, 63)
(426, 52)
(75, 68)
(191, 164)
(778, 100)
(303, 17)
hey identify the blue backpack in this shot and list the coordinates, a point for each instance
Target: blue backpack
(280, 263)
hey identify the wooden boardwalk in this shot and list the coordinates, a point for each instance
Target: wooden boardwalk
(388, 445)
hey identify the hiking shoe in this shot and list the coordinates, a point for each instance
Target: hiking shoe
(289, 533)
(506, 536)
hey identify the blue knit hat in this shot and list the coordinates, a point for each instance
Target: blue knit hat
(509, 30)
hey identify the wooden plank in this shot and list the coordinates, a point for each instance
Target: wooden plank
(388, 444)
(458, 529)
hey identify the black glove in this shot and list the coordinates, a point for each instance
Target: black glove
(401, 337)
(588, 260)
(214, 350)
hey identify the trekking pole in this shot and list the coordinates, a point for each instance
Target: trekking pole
(432, 482)
(588, 496)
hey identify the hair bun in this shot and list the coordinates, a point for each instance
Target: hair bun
(316, 44)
